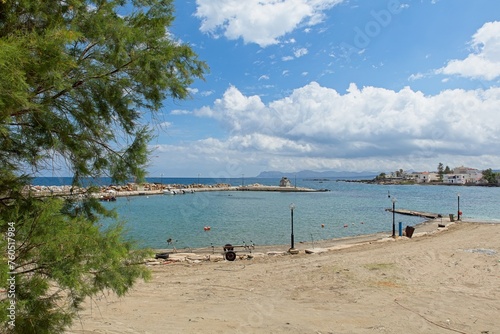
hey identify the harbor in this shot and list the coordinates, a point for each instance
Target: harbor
(110, 192)
(262, 212)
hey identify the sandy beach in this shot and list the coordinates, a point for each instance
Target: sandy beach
(443, 280)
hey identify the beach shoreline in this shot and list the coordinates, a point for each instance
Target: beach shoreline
(429, 226)
(440, 280)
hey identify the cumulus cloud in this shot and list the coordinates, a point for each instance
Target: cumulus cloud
(365, 128)
(259, 21)
(484, 61)
(207, 93)
(165, 124)
(300, 52)
(180, 112)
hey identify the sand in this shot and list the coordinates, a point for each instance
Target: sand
(445, 281)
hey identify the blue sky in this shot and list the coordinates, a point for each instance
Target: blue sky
(334, 85)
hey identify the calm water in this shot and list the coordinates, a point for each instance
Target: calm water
(265, 217)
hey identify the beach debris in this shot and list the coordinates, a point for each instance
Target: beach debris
(316, 250)
(154, 263)
(161, 255)
(275, 253)
(215, 257)
(255, 255)
(481, 251)
(180, 257)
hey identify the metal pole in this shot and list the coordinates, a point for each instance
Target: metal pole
(393, 219)
(458, 206)
(292, 241)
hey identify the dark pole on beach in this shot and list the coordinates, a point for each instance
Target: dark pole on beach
(292, 244)
(458, 206)
(393, 217)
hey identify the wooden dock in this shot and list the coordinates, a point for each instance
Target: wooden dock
(429, 215)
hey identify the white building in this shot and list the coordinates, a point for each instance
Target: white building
(426, 177)
(463, 175)
(285, 182)
(454, 178)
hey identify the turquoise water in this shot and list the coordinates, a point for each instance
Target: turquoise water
(265, 218)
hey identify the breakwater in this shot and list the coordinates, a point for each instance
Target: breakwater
(133, 189)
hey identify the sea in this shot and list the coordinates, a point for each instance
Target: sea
(216, 218)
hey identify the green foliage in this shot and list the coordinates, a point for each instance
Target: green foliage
(489, 176)
(80, 80)
(440, 171)
(60, 260)
(77, 79)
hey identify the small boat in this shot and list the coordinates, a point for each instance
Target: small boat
(161, 256)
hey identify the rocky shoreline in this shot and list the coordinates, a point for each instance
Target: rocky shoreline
(133, 189)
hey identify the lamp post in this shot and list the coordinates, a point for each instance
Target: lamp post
(394, 217)
(458, 206)
(292, 244)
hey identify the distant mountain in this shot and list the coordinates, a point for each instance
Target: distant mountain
(313, 174)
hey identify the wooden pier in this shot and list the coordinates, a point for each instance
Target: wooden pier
(416, 213)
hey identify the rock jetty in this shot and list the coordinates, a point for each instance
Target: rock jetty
(133, 189)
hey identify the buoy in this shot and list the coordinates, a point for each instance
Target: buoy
(346, 225)
(322, 225)
(207, 228)
(362, 222)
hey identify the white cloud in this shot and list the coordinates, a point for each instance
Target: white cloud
(484, 61)
(287, 58)
(365, 128)
(207, 93)
(300, 52)
(179, 112)
(165, 125)
(415, 77)
(232, 108)
(259, 21)
(263, 77)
